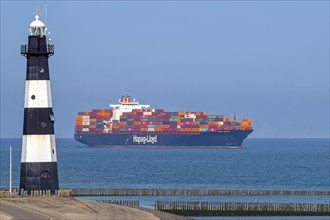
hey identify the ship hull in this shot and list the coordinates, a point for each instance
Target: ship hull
(220, 139)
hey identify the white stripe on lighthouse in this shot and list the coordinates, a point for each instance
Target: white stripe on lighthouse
(38, 148)
(37, 94)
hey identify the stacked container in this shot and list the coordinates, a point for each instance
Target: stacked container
(155, 121)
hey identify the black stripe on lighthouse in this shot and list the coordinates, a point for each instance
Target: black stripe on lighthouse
(38, 121)
(37, 68)
(39, 176)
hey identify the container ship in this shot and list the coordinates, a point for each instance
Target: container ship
(130, 124)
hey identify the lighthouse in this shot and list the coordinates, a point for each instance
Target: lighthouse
(38, 161)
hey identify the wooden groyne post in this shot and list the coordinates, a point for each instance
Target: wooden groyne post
(242, 208)
(189, 192)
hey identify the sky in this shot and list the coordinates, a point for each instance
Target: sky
(267, 60)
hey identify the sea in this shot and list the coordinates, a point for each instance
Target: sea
(297, 164)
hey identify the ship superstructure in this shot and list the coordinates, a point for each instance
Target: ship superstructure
(126, 104)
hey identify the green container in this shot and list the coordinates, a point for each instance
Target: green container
(211, 116)
(203, 129)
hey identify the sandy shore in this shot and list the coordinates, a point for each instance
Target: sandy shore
(71, 208)
(4, 216)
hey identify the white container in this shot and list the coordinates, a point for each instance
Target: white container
(85, 129)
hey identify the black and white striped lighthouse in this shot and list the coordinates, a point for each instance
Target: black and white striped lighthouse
(38, 162)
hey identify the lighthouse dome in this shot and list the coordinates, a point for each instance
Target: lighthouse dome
(37, 23)
(37, 27)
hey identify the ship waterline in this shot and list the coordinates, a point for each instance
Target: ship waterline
(226, 139)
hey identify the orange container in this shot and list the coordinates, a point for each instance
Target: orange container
(213, 123)
(247, 119)
(158, 128)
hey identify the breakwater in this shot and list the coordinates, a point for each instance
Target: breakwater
(241, 208)
(189, 192)
(167, 192)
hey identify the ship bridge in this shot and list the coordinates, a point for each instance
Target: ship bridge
(125, 104)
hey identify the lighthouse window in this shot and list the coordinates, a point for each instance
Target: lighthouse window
(45, 175)
(33, 97)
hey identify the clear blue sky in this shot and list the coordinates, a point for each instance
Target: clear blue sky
(268, 60)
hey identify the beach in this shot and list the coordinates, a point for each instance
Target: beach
(71, 208)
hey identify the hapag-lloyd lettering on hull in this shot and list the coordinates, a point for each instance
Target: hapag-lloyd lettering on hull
(145, 139)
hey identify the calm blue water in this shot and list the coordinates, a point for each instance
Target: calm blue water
(260, 164)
